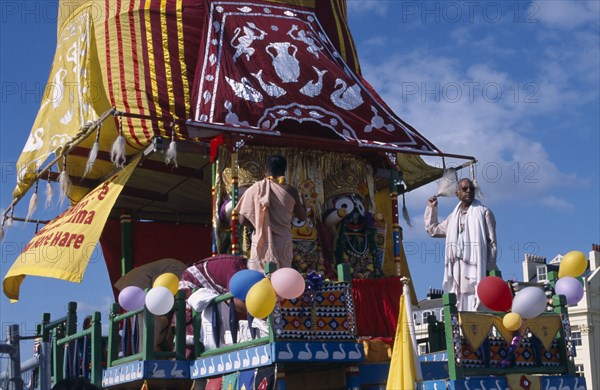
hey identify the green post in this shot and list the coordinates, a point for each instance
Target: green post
(495, 272)
(435, 334)
(96, 352)
(113, 335)
(71, 318)
(343, 271)
(126, 244)
(269, 269)
(45, 332)
(197, 321)
(58, 355)
(567, 352)
(452, 327)
(148, 335)
(180, 325)
(552, 277)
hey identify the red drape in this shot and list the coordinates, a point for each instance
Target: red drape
(377, 305)
(154, 241)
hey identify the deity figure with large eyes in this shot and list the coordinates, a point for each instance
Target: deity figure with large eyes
(351, 226)
(308, 255)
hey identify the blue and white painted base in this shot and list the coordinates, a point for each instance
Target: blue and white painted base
(231, 361)
(149, 369)
(332, 351)
(500, 383)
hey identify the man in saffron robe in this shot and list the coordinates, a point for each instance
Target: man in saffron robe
(268, 207)
(471, 248)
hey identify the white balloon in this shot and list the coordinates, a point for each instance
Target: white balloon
(159, 300)
(529, 302)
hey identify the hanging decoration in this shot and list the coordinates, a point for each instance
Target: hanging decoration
(33, 202)
(9, 221)
(93, 153)
(405, 212)
(478, 193)
(64, 182)
(117, 152)
(171, 154)
(49, 190)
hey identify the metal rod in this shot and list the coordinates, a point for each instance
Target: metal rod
(66, 149)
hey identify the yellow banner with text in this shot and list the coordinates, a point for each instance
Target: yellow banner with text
(63, 247)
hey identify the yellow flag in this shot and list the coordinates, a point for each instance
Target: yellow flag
(63, 247)
(403, 372)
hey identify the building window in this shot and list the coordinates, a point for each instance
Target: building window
(542, 273)
(425, 315)
(416, 319)
(579, 370)
(576, 338)
(422, 349)
(442, 315)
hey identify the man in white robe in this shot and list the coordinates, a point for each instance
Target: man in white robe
(471, 248)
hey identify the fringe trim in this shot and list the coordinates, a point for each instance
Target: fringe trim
(405, 212)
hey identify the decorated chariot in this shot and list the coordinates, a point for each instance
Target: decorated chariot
(177, 106)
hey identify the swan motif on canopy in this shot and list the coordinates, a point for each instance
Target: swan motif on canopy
(346, 97)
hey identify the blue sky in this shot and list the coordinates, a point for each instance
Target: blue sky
(514, 83)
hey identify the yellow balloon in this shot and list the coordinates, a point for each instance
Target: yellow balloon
(168, 280)
(572, 264)
(512, 321)
(261, 299)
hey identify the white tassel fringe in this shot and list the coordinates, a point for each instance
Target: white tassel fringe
(171, 154)
(33, 203)
(49, 194)
(478, 193)
(405, 212)
(64, 182)
(117, 152)
(92, 159)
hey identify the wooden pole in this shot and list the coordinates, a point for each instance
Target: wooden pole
(126, 244)
(235, 246)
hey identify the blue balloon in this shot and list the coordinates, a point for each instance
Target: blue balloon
(242, 281)
(571, 288)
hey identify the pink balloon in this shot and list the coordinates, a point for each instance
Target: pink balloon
(287, 283)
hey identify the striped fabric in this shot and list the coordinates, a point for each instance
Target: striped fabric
(149, 50)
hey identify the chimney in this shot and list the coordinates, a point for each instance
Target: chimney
(434, 293)
(595, 257)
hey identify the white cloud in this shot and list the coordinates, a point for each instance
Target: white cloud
(557, 203)
(461, 36)
(473, 111)
(564, 14)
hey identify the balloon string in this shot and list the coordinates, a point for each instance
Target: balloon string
(514, 344)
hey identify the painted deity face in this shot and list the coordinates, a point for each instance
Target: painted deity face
(355, 210)
(304, 230)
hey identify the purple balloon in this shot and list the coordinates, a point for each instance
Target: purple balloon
(571, 288)
(132, 298)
